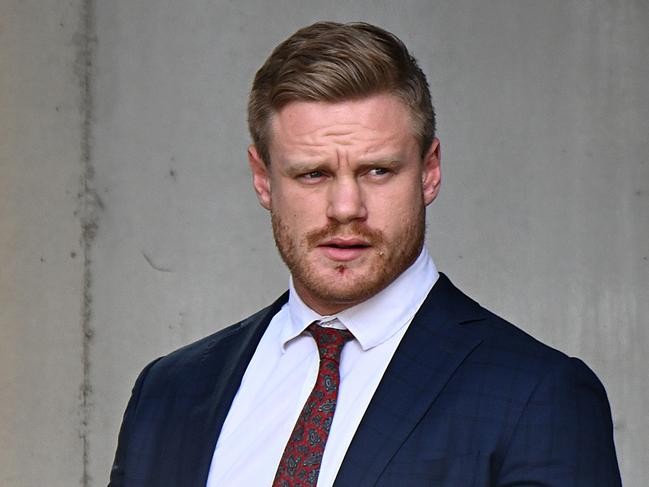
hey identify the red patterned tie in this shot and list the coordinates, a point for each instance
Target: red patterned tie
(300, 463)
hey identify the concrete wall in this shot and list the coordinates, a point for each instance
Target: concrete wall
(128, 227)
(42, 167)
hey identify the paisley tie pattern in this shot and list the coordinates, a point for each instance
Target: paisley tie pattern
(300, 463)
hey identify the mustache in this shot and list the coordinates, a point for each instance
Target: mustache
(347, 230)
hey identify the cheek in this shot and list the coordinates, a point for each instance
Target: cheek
(298, 217)
(392, 207)
(300, 207)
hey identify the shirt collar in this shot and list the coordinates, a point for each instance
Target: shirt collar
(375, 320)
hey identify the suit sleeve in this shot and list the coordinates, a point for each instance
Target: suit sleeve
(564, 436)
(117, 473)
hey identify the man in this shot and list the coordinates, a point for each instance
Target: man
(373, 369)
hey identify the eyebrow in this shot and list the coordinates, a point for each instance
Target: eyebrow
(310, 165)
(294, 167)
(383, 162)
(298, 167)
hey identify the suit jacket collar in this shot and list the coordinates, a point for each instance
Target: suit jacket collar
(222, 366)
(431, 351)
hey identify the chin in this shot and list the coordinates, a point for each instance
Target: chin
(344, 285)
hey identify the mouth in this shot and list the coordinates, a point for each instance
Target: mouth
(344, 249)
(345, 243)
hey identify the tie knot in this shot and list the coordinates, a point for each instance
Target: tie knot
(330, 341)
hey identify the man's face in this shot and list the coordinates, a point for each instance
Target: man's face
(347, 190)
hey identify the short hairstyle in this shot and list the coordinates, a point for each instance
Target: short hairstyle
(333, 62)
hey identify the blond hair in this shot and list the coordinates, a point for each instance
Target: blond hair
(333, 62)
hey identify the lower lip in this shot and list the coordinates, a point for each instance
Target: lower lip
(343, 254)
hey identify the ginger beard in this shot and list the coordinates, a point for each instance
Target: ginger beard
(348, 283)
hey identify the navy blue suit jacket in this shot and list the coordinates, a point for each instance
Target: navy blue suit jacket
(467, 400)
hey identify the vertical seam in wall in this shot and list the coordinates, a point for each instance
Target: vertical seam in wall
(90, 204)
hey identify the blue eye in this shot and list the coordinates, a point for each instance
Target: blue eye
(311, 176)
(379, 171)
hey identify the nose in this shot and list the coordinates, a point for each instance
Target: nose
(346, 201)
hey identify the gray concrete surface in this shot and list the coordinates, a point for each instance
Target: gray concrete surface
(128, 227)
(42, 415)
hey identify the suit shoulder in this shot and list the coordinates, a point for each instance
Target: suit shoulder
(508, 338)
(501, 341)
(513, 360)
(220, 346)
(506, 344)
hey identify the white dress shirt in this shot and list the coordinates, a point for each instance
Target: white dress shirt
(283, 370)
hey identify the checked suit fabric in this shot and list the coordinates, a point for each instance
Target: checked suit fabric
(302, 457)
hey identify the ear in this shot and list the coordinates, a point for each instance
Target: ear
(431, 172)
(260, 177)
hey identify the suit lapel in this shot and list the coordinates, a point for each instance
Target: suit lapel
(221, 369)
(430, 352)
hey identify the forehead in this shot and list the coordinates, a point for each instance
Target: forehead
(381, 116)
